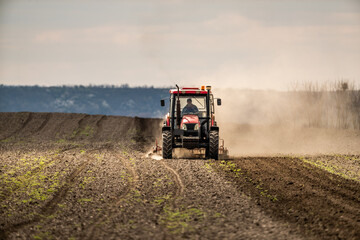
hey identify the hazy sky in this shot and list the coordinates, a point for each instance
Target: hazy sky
(246, 44)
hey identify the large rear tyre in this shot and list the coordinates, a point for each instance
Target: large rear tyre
(167, 144)
(214, 145)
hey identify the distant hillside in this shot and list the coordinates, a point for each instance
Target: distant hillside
(109, 100)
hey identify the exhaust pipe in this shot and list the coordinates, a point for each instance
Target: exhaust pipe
(178, 120)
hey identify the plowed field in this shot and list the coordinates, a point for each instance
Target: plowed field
(77, 176)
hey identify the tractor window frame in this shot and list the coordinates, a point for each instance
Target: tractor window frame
(173, 99)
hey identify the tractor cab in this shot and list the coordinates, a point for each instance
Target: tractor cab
(190, 122)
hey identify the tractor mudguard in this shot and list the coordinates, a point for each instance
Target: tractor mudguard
(166, 128)
(214, 128)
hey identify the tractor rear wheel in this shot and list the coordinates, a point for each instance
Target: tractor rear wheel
(214, 145)
(167, 144)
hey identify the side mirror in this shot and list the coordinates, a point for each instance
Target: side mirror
(162, 102)
(219, 101)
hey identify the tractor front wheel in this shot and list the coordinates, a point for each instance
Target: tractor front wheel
(214, 145)
(167, 145)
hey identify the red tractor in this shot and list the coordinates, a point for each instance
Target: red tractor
(190, 122)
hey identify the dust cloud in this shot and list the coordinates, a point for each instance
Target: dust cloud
(306, 121)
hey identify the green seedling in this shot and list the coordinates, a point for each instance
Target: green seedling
(231, 168)
(180, 220)
(218, 215)
(86, 181)
(61, 140)
(29, 181)
(161, 200)
(331, 168)
(85, 200)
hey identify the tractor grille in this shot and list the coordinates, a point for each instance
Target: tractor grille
(190, 142)
(190, 126)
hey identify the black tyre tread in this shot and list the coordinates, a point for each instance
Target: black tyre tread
(167, 145)
(214, 145)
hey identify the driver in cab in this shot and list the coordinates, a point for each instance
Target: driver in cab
(190, 108)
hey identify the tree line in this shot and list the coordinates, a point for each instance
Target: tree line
(105, 99)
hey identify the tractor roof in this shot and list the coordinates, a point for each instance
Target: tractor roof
(188, 90)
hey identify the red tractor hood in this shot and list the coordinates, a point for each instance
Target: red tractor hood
(189, 119)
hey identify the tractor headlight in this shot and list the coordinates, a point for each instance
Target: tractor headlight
(190, 126)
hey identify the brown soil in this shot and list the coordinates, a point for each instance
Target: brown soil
(77, 176)
(64, 127)
(315, 202)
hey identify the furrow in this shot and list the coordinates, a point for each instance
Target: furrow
(50, 207)
(177, 178)
(28, 119)
(94, 230)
